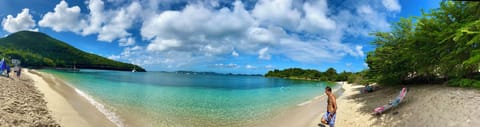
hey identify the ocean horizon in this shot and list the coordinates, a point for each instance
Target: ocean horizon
(180, 99)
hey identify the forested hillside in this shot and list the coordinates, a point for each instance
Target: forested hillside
(38, 50)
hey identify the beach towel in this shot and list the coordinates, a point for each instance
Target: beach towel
(392, 104)
(3, 65)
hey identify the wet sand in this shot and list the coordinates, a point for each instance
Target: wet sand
(67, 106)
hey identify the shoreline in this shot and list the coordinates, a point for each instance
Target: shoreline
(304, 114)
(440, 105)
(68, 106)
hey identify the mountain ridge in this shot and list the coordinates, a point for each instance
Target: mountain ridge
(39, 50)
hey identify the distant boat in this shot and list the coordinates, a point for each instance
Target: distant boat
(74, 69)
(134, 70)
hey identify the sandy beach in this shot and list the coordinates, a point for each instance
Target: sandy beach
(424, 105)
(22, 104)
(303, 114)
(67, 107)
(40, 99)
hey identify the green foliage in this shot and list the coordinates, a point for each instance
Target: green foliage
(463, 82)
(440, 45)
(360, 78)
(309, 74)
(37, 50)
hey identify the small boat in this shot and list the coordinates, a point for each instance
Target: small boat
(75, 69)
(134, 70)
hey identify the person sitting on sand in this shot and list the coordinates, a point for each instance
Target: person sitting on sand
(329, 117)
(368, 88)
(8, 71)
(19, 71)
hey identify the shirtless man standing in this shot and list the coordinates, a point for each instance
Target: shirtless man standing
(329, 117)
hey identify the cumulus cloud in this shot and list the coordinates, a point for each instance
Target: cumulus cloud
(96, 17)
(63, 18)
(119, 22)
(109, 24)
(126, 41)
(277, 12)
(235, 53)
(198, 24)
(23, 21)
(316, 17)
(263, 54)
(391, 5)
(161, 45)
(209, 31)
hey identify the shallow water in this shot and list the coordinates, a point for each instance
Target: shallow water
(170, 99)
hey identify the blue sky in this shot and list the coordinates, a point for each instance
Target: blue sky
(227, 36)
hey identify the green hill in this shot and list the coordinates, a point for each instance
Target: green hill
(39, 50)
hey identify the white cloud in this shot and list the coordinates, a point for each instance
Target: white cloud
(269, 67)
(211, 33)
(204, 31)
(235, 53)
(250, 67)
(23, 21)
(119, 22)
(110, 25)
(126, 41)
(277, 12)
(230, 65)
(316, 17)
(263, 54)
(197, 23)
(63, 18)
(127, 52)
(161, 45)
(260, 35)
(359, 50)
(114, 57)
(391, 5)
(96, 17)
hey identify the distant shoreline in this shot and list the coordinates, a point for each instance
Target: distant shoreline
(305, 79)
(67, 69)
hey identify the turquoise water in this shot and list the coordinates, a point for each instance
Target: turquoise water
(170, 99)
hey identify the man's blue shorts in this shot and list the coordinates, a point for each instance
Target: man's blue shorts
(331, 122)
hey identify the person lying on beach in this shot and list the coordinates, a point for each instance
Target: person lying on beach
(329, 117)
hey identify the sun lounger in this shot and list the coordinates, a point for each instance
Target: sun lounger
(392, 104)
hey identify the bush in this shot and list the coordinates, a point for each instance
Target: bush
(464, 82)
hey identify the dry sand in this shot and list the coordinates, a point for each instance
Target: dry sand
(424, 106)
(22, 105)
(68, 108)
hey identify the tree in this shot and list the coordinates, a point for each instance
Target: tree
(331, 74)
(440, 45)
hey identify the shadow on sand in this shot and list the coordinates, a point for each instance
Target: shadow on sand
(370, 101)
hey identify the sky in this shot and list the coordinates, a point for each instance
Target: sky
(226, 36)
